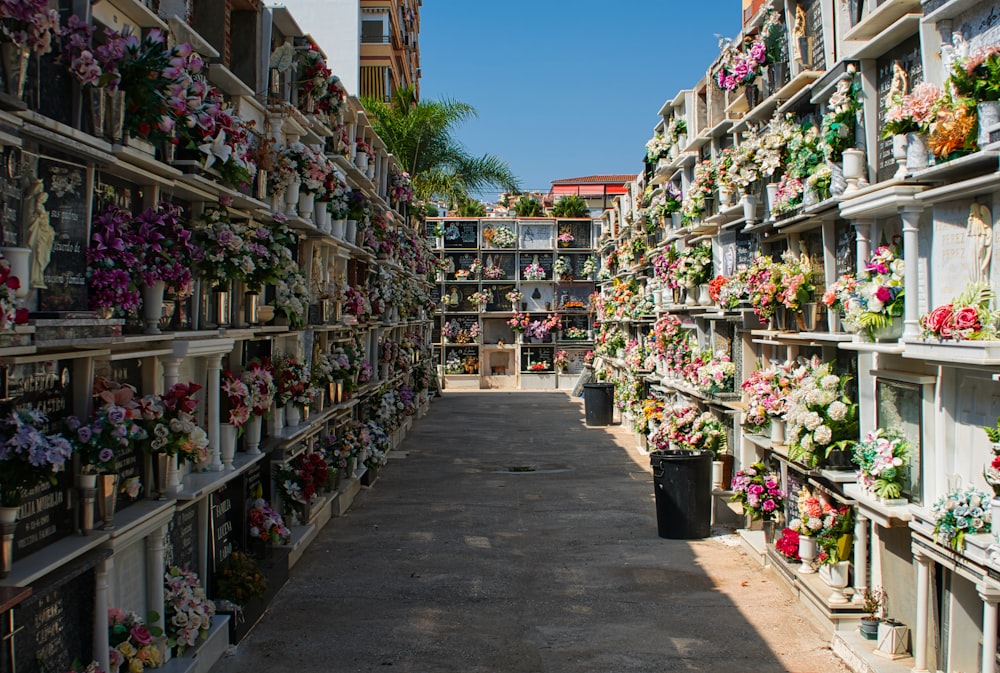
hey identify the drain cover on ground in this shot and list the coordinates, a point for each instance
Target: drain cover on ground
(548, 468)
(521, 468)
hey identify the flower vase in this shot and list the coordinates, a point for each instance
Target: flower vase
(704, 295)
(15, 67)
(808, 317)
(995, 512)
(293, 415)
(917, 155)
(682, 141)
(752, 94)
(772, 195)
(114, 116)
(899, 155)
(717, 467)
(251, 435)
(749, 202)
(725, 197)
(87, 485)
(807, 552)
(107, 497)
(276, 421)
(338, 228)
(307, 202)
(351, 231)
(988, 115)
(361, 161)
(227, 445)
(691, 298)
(20, 267)
(676, 220)
(152, 306)
(854, 169)
(837, 181)
(8, 525)
(890, 332)
(777, 431)
(292, 198)
(321, 216)
(836, 576)
(251, 308)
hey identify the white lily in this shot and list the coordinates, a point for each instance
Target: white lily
(216, 149)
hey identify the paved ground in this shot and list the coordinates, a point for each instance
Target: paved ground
(452, 563)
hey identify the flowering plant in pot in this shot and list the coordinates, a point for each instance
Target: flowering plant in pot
(882, 458)
(188, 611)
(28, 456)
(113, 429)
(911, 112)
(758, 491)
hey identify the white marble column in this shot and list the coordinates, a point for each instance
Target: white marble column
(863, 227)
(860, 556)
(155, 567)
(923, 607)
(911, 281)
(990, 598)
(214, 364)
(102, 589)
(171, 370)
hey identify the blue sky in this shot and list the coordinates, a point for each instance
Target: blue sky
(567, 88)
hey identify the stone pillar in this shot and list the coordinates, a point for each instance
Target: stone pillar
(102, 588)
(155, 567)
(214, 365)
(911, 254)
(923, 607)
(990, 598)
(171, 370)
(860, 556)
(863, 227)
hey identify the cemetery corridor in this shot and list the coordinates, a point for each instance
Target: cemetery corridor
(506, 536)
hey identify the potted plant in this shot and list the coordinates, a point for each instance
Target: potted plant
(872, 604)
(976, 79)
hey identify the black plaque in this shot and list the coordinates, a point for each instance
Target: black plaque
(183, 539)
(580, 230)
(794, 485)
(225, 527)
(435, 293)
(534, 354)
(64, 222)
(57, 623)
(507, 262)
(463, 322)
(814, 29)
(113, 191)
(10, 195)
(461, 234)
(254, 485)
(46, 515)
(500, 302)
(746, 250)
(256, 350)
(907, 55)
(44, 386)
(544, 260)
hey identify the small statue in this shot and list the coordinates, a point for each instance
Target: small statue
(900, 83)
(980, 235)
(41, 235)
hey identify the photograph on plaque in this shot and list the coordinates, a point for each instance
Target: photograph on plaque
(55, 223)
(461, 234)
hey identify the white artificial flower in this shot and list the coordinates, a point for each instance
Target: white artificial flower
(823, 435)
(830, 382)
(875, 306)
(813, 421)
(837, 411)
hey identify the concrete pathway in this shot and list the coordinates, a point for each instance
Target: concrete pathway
(454, 563)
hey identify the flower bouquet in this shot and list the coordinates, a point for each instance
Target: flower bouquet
(561, 268)
(959, 514)
(561, 360)
(514, 297)
(112, 258)
(835, 538)
(249, 394)
(503, 237)
(574, 333)
(114, 429)
(821, 417)
(29, 24)
(788, 544)
(565, 238)
(28, 457)
(165, 251)
(882, 457)
(134, 642)
(293, 380)
(695, 267)
(481, 298)
(967, 317)
(240, 580)
(266, 525)
(796, 286)
(300, 479)
(188, 610)
(716, 375)
(170, 426)
(911, 112)
(519, 322)
(539, 366)
(763, 282)
(758, 491)
(534, 271)
(873, 301)
(767, 389)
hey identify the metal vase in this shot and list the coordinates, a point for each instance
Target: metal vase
(87, 484)
(15, 67)
(98, 110)
(114, 116)
(107, 497)
(219, 307)
(251, 308)
(161, 465)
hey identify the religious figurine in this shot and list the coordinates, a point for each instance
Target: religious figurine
(801, 37)
(980, 235)
(900, 83)
(453, 298)
(41, 235)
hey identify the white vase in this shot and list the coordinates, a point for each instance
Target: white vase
(717, 467)
(807, 552)
(251, 435)
(293, 415)
(749, 202)
(227, 444)
(338, 228)
(917, 155)
(772, 194)
(20, 267)
(321, 216)
(676, 220)
(361, 161)
(836, 575)
(152, 306)
(691, 298)
(704, 296)
(854, 169)
(777, 431)
(351, 232)
(682, 140)
(276, 421)
(988, 115)
(9, 514)
(899, 155)
(725, 197)
(292, 199)
(307, 202)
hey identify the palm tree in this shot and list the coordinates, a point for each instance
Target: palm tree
(419, 133)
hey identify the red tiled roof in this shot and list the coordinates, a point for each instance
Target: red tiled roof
(596, 179)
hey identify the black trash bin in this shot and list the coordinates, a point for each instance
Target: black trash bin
(683, 484)
(598, 402)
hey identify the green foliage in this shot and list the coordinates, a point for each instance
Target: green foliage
(471, 208)
(571, 205)
(240, 579)
(994, 432)
(421, 135)
(873, 601)
(528, 206)
(980, 84)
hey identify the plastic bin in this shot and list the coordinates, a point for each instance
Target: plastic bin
(682, 481)
(598, 403)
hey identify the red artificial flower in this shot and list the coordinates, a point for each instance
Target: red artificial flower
(20, 316)
(966, 318)
(937, 321)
